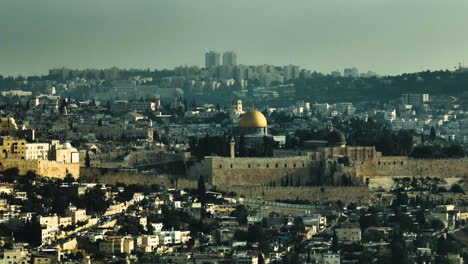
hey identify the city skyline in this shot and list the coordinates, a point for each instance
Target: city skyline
(385, 37)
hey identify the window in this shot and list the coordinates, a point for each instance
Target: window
(276, 165)
(231, 166)
(220, 166)
(285, 165)
(294, 165)
(268, 165)
(379, 163)
(249, 166)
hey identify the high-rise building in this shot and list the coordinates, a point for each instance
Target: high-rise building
(336, 73)
(414, 99)
(290, 72)
(351, 72)
(212, 59)
(229, 58)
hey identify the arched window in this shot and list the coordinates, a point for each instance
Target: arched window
(268, 165)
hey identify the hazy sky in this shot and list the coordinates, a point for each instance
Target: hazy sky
(386, 36)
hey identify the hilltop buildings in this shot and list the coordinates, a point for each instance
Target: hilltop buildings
(46, 159)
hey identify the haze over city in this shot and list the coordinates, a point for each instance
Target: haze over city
(234, 132)
(388, 37)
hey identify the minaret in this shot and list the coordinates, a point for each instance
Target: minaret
(150, 131)
(232, 149)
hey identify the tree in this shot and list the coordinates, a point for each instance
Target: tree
(334, 245)
(68, 178)
(432, 134)
(261, 260)
(256, 233)
(87, 160)
(457, 189)
(240, 213)
(442, 246)
(31, 175)
(399, 253)
(201, 190)
(10, 174)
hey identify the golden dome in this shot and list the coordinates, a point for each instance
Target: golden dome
(253, 118)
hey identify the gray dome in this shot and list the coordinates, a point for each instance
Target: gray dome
(336, 137)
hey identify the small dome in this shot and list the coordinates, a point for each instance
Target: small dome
(66, 145)
(336, 137)
(253, 118)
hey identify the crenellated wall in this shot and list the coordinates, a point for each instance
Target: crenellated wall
(220, 171)
(389, 167)
(358, 194)
(43, 168)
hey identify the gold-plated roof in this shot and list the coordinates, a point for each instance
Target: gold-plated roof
(253, 118)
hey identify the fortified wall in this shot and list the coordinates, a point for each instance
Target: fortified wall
(358, 194)
(302, 171)
(113, 176)
(390, 167)
(44, 168)
(220, 171)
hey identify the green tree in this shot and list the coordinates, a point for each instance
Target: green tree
(68, 178)
(442, 246)
(241, 214)
(201, 190)
(334, 245)
(261, 260)
(432, 134)
(11, 173)
(256, 233)
(399, 253)
(87, 160)
(457, 189)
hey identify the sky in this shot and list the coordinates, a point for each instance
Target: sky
(386, 36)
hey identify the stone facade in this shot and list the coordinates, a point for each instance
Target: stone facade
(322, 168)
(390, 167)
(220, 171)
(357, 194)
(44, 168)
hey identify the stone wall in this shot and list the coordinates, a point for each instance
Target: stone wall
(359, 194)
(389, 167)
(44, 168)
(300, 170)
(253, 171)
(112, 176)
